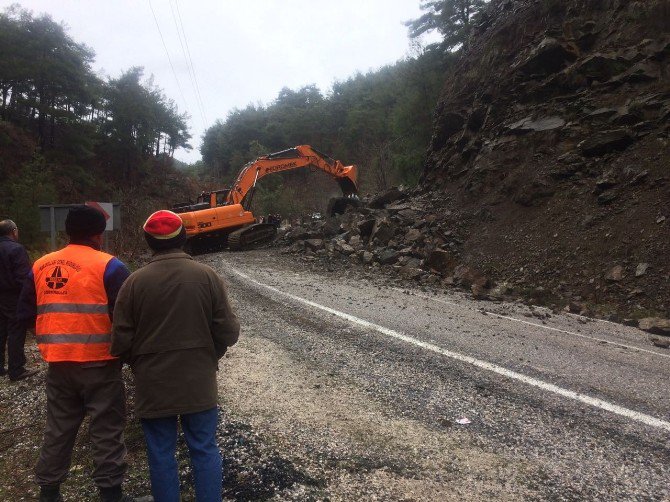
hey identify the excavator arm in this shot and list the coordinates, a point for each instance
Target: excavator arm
(287, 160)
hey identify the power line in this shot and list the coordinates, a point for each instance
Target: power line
(167, 53)
(190, 59)
(189, 63)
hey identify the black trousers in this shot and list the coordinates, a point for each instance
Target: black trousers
(75, 390)
(13, 336)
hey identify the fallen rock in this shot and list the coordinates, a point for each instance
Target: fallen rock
(413, 235)
(441, 261)
(606, 142)
(365, 227)
(607, 197)
(314, 244)
(391, 195)
(467, 276)
(387, 256)
(641, 269)
(655, 325)
(383, 231)
(410, 272)
(615, 274)
(660, 341)
(529, 125)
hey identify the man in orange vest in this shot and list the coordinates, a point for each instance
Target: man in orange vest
(71, 298)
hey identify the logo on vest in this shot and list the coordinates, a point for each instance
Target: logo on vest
(57, 278)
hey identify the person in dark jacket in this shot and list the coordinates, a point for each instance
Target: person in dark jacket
(172, 323)
(14, 270)
(70, 296)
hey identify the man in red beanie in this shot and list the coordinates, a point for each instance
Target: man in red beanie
(71, 297)
(172, 323)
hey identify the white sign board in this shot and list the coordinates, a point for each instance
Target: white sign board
(107, 209)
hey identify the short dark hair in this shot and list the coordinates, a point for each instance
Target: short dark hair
(7, 227)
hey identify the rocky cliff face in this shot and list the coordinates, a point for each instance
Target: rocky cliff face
(551, 152)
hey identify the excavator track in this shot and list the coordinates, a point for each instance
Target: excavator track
(251, 236)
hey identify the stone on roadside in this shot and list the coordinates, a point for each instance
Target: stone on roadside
(441, 261)
(314, 244)
(615, 274)
(641, 269)
(387, 256)
(655, 325)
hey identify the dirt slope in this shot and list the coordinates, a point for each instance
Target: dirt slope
(551, 148)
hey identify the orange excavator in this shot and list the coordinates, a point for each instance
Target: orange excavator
(223, 217)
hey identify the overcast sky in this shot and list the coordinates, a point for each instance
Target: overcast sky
(242, 51)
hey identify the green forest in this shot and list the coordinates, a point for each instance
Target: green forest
(68, 135)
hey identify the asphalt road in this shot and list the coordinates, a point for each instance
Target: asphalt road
(375, 391)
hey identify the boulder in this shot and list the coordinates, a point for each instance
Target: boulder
(529, 125)
(548, 57)
(605, 142)
(355, 241)
(441, 261)
(298, 233)
(615, 274)
(410, 272)
(380, 200)
(467, 276)
(413, 235)
(367, 257)
(314, 244)
(641, 269)
(343, 248)
(655, 325)
(383, 231)
(408, 215)
(387, 256)
(607, 197)
(365, 227)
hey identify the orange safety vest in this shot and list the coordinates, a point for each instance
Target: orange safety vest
(73, 321)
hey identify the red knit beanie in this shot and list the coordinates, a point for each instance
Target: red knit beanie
(164, 230)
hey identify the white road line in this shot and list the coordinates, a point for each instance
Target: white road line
(583, 398)
(572, 333)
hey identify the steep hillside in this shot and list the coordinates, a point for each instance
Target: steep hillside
(551, 151)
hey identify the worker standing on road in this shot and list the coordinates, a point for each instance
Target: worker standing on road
(172, 324)
(72, 297)
(14, 270)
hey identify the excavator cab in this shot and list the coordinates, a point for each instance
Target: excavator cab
(205, 200)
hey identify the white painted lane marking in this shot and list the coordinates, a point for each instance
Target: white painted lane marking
(572, 333)
(583, 398)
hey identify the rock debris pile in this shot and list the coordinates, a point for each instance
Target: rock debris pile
(548, 173)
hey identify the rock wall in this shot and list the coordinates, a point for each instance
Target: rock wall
(551, 153)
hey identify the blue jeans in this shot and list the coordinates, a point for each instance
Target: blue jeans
(199, 431)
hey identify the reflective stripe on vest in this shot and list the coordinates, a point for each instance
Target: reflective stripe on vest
(72, 307)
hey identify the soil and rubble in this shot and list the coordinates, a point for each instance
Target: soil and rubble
(548, 173)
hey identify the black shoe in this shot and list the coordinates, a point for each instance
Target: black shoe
(114, 494)
(23, 375)
(50, 494)
(3, 372)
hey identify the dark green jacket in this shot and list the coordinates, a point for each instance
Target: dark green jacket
(172, 323)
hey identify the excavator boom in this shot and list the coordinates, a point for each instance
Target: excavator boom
(287, 160)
